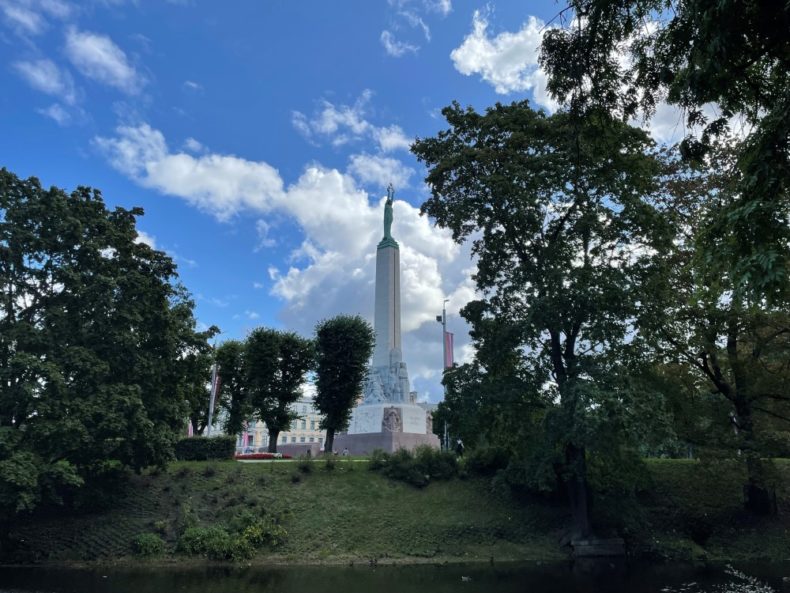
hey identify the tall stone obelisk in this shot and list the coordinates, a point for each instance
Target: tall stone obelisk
(387, 304)
(387, 418)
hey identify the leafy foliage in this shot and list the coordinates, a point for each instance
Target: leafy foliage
(96, 340)
(418, 468)
(733, 54)
(148, 544)
(555, 209)
(204, 449)
(275, 364)
(343, 345)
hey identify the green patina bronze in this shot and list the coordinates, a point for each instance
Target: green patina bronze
(388, 241)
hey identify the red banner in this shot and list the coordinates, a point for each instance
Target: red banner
(448, 350)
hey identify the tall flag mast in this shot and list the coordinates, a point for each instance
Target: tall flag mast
(213, 397)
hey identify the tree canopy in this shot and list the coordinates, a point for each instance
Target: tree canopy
(343, 347)
(95, 342)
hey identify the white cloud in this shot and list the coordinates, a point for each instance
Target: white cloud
(252, 315)
(218, 184)
(417, 22)
(193, 145)
(508, 61)
(396, 48)
(379, 170)
(257, 285)
(333, 270)
(342, 124)
(57, 113)
(392, 138)
(444, 7)
(98, 57)
(192, 85)
(143, 237)
(263, 229)
(43, 75)
(22, 19)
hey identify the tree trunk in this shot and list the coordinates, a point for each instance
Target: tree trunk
(330, 440)
(273, 436)
(758, 497)
(578, 491)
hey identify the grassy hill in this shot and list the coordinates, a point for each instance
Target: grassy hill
(351, 514)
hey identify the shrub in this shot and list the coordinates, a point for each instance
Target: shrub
(202, 448)
(187, 517)
(487, 460)
(330, 464)
(295, 478)
(148, 544)
(416, 469)
(378, 459)
(160, 527)
(214, 543)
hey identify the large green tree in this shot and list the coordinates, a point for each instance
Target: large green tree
(93, 334)
(343, 346)
(554, 209)
(726, 64)
(275, 366)
(234, 398)
(698, 314)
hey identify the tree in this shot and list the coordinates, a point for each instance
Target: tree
(700, 316)
(234, 393)
(275, 366)
(724, 63)
(343, 346)
(93, 329)
(555, 211)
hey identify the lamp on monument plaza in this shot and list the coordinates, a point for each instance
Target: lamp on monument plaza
(447, 355)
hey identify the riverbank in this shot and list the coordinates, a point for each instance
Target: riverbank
(347, 514)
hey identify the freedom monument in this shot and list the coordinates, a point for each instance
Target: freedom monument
(387, 418)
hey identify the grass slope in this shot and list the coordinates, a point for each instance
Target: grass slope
(347, 514)
(687, 510)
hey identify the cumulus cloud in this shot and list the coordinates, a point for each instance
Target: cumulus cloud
(99, 58)
(333, 270)
(342, 124)
(396, 48)
(145, 238)
(193, 145)
(43, 75)
(379, 170)
(508, 61)
(22, 19)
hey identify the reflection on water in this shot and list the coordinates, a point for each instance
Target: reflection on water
(532, 578)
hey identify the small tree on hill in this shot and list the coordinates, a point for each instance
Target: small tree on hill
(343, 346)
(275, 367)
(234, 397)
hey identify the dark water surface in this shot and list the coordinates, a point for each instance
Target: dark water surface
(503, 578)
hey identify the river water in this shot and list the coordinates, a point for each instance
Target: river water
(502, 578)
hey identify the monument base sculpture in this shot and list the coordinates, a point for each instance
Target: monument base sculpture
(388, 427)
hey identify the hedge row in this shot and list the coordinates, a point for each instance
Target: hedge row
(202, 448)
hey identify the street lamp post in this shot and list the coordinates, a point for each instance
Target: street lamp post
(443, 320)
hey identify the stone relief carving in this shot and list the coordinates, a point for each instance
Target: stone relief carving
(392, 420)
(428, 423)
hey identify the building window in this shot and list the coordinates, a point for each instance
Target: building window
(320, 440)
(312, 424)
(310, 439)
(293, 424)
(285, 439)
(301, 439)
(304, 409)
(293, 439)
(304, 424)
(250, 437)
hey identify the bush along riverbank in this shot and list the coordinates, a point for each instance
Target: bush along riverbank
(396, 508)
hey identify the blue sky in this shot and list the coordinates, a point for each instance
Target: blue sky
(259, 138)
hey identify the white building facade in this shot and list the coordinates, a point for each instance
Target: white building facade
(305, 429)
